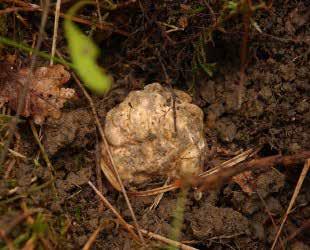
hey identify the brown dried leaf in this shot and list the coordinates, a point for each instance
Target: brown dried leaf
(45, 97)
(244, 181)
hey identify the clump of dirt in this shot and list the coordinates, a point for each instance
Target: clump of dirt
(75, 128)
(208, 221)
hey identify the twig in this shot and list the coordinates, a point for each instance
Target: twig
(99, 127)
(9, 169)
(270, 215)
(173, 95)
(98, 172)
(115, 212)
(15, 153)
(102, 26)
(177, 184)
(56, 22)
(43, 152)
(99, 11)
(28, 192)
(158, 197)
(146, 233)
(15, 9)
(221, 175)
(92, 238)
(293, 199)
(304, 225)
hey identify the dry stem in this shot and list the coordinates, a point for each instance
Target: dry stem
(295, 194)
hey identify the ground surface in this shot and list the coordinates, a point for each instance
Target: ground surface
(269, 108)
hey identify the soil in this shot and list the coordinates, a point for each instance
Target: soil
(269, 109)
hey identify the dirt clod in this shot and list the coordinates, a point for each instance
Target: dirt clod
(209, 221)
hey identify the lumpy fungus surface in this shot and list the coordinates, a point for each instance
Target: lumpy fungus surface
(156, 132)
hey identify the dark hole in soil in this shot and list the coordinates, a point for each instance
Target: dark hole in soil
(268, 150)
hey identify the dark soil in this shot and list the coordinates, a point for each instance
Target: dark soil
(269, 108)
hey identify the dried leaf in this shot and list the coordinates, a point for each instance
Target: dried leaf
(45, 97)
(244, 181)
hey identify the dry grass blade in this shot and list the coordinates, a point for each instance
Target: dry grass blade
(270, 215)
(99, 11)
(158, 197)
(295, 194)
(56, 22)
(15, 153)
(304, 225)
(130, 228)
(99, 173)
(167, 241)
(103, 26)
(44, 154)
(99, 127)
(231, 162)
(216, 178)
(156, 191)
(92, 239)
(115, 212)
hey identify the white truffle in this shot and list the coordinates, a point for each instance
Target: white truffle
(143, 140)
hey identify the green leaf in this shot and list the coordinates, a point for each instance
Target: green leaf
(84, 53)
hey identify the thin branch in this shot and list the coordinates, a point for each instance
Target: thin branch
(92, 238)
(43, 152)
(146, 233)
(103, 26)
(15, 9)
(114, 211)
(99, 11)
(56, 23)
(222, 175)
(98, 172)
(293, 199)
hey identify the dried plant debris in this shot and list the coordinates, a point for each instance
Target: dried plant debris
(45, 97)
(156, 132)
